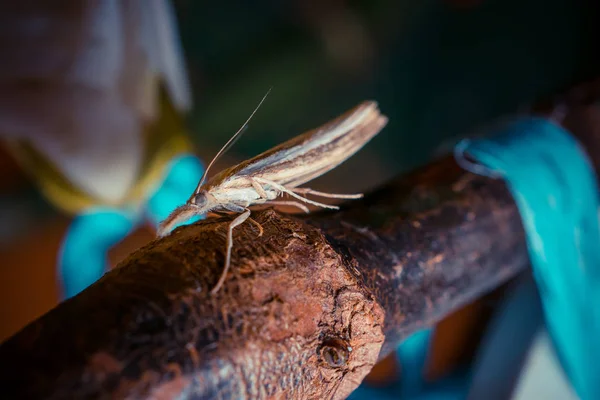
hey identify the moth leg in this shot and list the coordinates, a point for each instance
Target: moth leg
(237, 221)
(258, 225)
(259, 189)
(218, 213)
(239, 209)
(329, 195)
(290, 203)
(262, 193)
(291, 193)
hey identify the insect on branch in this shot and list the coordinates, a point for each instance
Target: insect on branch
(279, 171)
(308, 307)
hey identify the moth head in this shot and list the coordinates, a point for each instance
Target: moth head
(200, 200)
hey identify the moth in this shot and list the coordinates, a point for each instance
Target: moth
(280, 171)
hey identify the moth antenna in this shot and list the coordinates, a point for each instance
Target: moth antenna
(230, 142)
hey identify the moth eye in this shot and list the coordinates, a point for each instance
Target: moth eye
(199, 200)
(335, 352)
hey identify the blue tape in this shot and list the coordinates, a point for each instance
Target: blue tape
(410, 385)
(412, 355)
(505, 345)
(83, 257)
(183, 175)
(555, 189)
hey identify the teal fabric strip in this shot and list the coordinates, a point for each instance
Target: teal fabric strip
(504, 346)
(555, 188)
(410, 385)
(183, 174)
(412, 355)
(83, 257)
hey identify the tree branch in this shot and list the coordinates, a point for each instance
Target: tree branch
(307, 309)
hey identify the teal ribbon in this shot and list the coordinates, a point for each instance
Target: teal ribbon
(83, 257)
(555, 188)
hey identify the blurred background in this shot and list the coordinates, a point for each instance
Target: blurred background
(438, 69)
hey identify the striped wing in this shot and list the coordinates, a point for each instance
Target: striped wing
(311, 154)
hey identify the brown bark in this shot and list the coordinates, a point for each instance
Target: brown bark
(307, 309)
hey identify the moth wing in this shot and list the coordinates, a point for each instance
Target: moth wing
(311, 154)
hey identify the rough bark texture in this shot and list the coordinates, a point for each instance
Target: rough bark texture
(306, 311)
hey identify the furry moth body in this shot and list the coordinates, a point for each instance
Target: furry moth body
(264, 178)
